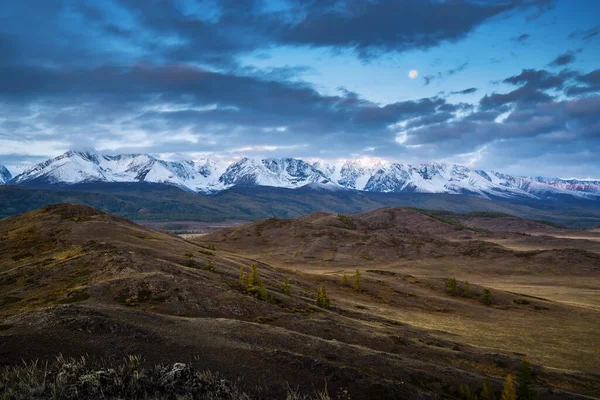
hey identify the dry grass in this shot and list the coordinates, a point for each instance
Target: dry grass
(78, 378)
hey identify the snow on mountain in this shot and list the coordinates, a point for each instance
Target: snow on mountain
(372, 175)
(80, 166)
(5, 175)
(279, 172)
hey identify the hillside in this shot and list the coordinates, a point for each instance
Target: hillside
(105, 286)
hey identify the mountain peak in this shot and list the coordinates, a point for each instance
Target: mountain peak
(5, 175)
(363, 174)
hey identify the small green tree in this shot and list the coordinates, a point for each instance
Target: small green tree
(209, 266)
(466, 289)
(357, 282)
(486, 297)
(243, 276)
(253, 279)
(286, 287)
(524, 381)
(322, 299)
(451, 286)
(508, 392)
(487, 392)
(262, 291)
(345, 280)
(212, 246)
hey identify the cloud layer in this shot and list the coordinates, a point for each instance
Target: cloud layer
(166, 77)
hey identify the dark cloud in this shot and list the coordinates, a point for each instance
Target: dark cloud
(522, 38)
(540, 79)
(217, 33)
(586, 83)
(466, 91)
(179, 99)
(563, 59)
(586, 34)
(524, 96)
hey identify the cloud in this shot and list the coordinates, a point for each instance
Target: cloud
(217, 33)
(588, 34)
(521, 38)
(466, 91)
(563, 59)
(442, 75)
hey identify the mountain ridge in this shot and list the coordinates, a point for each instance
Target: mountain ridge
(207, 176)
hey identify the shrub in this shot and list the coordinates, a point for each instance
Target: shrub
(189, 260)
(486, 297)
(357, 282)
(286, 288)
(509, 393)
(243, 276)
(451, 287)
(322, 299)
(212, 247)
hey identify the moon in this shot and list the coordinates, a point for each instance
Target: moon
(413, 74)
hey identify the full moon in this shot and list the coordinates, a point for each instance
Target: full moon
(413, 74)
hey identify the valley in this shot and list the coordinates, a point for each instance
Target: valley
(106, 287)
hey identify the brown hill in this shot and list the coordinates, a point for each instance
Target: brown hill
(399, 235)
(76, 281)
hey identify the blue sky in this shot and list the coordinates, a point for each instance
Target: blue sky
(509, 85)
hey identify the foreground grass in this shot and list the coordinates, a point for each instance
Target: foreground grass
(82, 378)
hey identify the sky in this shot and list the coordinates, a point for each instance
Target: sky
(505, 85)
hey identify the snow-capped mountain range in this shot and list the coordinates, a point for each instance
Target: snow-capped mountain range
(207, 176)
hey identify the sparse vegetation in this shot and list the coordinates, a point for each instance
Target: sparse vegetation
(209, 266)
(524, 381)
(508, 392)
(83, 378)
(253, 278)
(286, 287)
(487, 391)
(322, 299)
(345, 280)
(348, 224)
(357, 285)
(466, 393)
(486, 297)
(189, 260)
(451, 287)
(466, 289)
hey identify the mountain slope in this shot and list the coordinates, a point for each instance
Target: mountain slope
(5, 175)
(370, 175)
(147, 201)
(90, 166)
